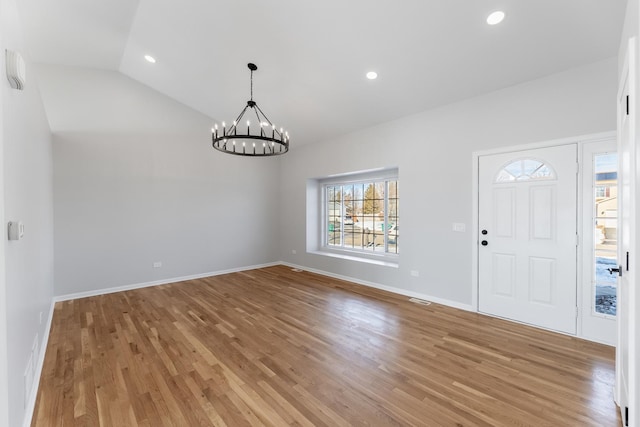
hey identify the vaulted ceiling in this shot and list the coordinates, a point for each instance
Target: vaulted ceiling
(313, 56)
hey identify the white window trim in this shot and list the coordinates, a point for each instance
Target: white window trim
(317, 213)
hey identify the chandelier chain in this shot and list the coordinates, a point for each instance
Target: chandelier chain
(252, 85)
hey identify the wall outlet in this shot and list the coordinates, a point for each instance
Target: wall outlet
(459, 227)
(157, 264)
(16, 230)
(415, 273)
(293, 251)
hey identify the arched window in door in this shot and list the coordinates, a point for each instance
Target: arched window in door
(525, 170)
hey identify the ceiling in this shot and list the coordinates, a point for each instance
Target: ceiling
(313, 56)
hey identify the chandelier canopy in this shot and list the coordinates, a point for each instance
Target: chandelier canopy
(261, 137)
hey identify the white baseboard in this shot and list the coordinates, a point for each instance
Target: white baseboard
(33, 395)
(399, 291)
(157, 282)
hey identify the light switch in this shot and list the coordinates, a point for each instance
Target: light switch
(16, 230)
(459, 227)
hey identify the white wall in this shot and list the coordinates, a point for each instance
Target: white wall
(27, 283)
(629, 29)
(136, 181)
(433, 151)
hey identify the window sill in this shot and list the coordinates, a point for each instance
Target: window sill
(386, 262)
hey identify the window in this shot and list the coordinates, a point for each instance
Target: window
(605, 244)
(525, 170)
(362, 215)
(602, 192)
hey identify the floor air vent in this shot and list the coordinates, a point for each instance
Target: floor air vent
(420, 301)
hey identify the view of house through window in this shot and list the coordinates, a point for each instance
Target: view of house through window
(605, 244)
(363, 216)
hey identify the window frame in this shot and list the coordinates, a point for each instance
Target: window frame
(383, 176)
(604, 189)
(522, 177)
(595, 218)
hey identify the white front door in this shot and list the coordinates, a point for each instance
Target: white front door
(527, 236)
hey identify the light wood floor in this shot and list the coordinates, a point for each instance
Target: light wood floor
(275, 347)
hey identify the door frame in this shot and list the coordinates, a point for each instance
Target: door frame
(4, 342)
(587, 319)
(629, 73)
(579, 141)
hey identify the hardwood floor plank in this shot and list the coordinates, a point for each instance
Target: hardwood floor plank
(272, 347)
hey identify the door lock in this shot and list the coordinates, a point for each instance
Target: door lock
(484, 243)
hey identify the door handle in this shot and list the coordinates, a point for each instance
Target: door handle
(615, 270)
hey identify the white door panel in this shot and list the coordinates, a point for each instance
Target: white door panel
(542, 273)
(504, 275)
(542, 213)
(527, 206)
(505, 215)
(627, 378)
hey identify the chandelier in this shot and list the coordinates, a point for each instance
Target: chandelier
(261, 137)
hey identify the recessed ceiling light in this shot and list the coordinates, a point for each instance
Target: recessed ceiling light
(372, 75)
(150, 58)
(495, 18)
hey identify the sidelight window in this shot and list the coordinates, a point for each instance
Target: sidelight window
(605, 244)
